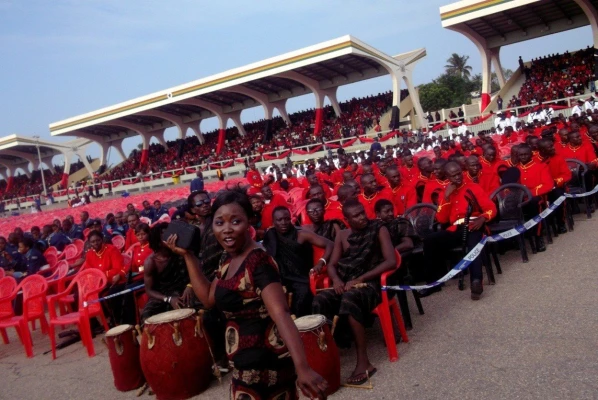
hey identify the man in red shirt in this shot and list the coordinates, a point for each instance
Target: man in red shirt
(426, 168)
(583, 152)
(473, 170)
(458, 198)
(253, 177)
(371, 194)
(130, 237)
(403, 194)
(436, 185)
(561, 174)
(490, 180)
(271, 201)
(536, 177)
(409, 172)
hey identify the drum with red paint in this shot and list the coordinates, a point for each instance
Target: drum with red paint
(123, 351)
(320, 349)
(175, 355)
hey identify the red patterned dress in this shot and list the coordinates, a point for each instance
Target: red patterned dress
(263, 368)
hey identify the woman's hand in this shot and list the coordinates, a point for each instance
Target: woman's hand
(311, 384)
(318, 267)
(171, 244)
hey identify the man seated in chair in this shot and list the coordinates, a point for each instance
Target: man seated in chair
(459, 197)
(292, 250)
(361, 254)
(400, 229)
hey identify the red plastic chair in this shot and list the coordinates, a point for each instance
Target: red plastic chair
(80, 244)
(8, 285)
(51, 250)
(321, 280)
(127, 259)
(118, 242)
(71, 253)
(86, 232)
(383, 310)
(34, 298)
(90, 283)
(52, 259)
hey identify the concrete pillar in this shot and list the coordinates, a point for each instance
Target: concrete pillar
(64, 182)
(592, 14)
(118, 146)
(48, 162)
(86, 163)
(331, 94)
(236, 118)
(486, 77)
(281, 106)
(414, 94)
(495, 57)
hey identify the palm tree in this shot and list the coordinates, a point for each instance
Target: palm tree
(457, 65)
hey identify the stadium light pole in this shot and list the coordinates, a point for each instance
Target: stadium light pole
(41, 171)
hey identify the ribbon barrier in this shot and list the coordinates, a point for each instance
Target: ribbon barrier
(477, 250)
(111, 296)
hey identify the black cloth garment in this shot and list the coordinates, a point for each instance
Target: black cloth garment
(437, 246)
(210, 252)
(399, 228)
(294, 261)
(363, 255)
(326, 229)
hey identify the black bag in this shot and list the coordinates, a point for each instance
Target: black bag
(187, 234)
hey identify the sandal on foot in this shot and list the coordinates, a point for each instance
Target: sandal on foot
(364, 377)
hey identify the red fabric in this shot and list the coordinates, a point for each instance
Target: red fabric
(536, 177)
(304, 152)
(409, 174)
(130, 238)
(110, 262)
(254, 179)
(65, 180)
(559, 170)
(455, 208)
(489, 178)
(279, 157)
(319, 121)
(221, 140)
(584, 153)
(276, 201)
(140, 254)
(144, 157)
(434, 186)
(345, 144)
(403, 197)
(370, 203)
(485, 101)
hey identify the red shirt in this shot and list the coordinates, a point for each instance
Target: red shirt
(559, 170)
(536, 177)
(276, 201)
(140, 253)
(254, 179)
(434, 186)
(584, 153)
(130, 238)
(109, 260)
(409, 174)
(455, 208)
(370, 202)
(489, 178)
(403, 198)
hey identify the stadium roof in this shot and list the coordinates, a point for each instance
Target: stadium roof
(323, 66)
(18, 151)
(504, 22)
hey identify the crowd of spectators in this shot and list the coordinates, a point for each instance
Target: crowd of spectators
(555, 76)
(358, 115)
(24, 186)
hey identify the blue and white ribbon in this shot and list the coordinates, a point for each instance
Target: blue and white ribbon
(111, 296)
(477, 250)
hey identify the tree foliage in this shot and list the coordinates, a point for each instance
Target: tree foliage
(457, 65)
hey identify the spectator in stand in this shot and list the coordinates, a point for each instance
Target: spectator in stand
(159, 210)
(148, 211)
(71, 231)
(197, 182)
(499, 102)
(131, 235)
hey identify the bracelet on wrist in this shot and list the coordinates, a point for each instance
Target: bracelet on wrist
(323, 260)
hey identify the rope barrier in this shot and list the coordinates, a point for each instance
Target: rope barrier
(477, 249)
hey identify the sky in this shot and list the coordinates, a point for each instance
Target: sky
(62, 58)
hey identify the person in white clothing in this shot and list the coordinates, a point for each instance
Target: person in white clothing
(514, 119)
(462, 128)
(577, 110)
(501, 122)
(589, 104)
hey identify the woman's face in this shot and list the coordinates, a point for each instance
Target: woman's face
(142, 236)
(96, 243)
(231, 227)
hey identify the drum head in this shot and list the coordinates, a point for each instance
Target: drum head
(117, 330)
(310, 322)
(170, 316)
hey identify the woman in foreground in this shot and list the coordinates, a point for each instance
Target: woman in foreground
(262, 341)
